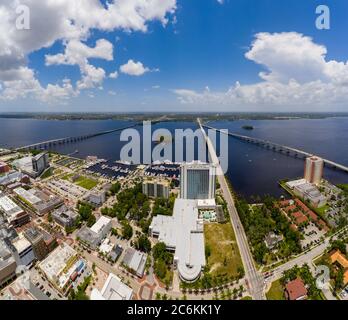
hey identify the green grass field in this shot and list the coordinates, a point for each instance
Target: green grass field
(86, 183)
(224, 258)
(276, 292)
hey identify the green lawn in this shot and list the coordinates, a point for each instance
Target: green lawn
(344, 187)
(276, 292)
(321, 211)
(247, 298)
(48, 173)
(224, 256)
(86, 183)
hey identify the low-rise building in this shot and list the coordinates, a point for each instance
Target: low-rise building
(24, 252)
(14, 214)
(65, 216)
(115, 252)
(272, 240)
(296, 290)
(4, 168)
(40, 201)
(113, 289)
(8, 264)
(183, 234)
(22, 289)
(338, 257)
(135, 261)
(59, 266)
(13, 177)
(93, 236)
(96, 198)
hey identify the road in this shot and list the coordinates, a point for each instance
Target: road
(254, 278)
(308, 258)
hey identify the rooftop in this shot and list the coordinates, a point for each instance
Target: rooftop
(100, 224)
(113, 289)
(183, 232)
(296, 289)
(57, 265)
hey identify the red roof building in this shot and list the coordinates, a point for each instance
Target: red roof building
(299, 217)
(296, 290)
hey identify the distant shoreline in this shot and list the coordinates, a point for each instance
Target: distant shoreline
(161, 117)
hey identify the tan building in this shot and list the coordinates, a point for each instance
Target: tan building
(313, 172)
(156, 188)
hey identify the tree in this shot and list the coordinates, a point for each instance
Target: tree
(339, 245)
(91, 220)
(339, 280)
(160, 269)
(115, 188)
(127, 230)
(144, 244)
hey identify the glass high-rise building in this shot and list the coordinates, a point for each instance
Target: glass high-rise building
(197, 181)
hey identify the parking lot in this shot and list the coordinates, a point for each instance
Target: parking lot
(44, 286)
(312, 235)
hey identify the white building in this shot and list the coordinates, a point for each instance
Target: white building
(183, 234)
(314, 169)
(197, 181)
(102, 227)
(14, 214)
(113, 289)
(135, 260)
(93, 236)
(308, 192)
(24, 253)
(60, 265)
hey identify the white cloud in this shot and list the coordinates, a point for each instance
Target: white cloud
(113, 75)
(133, 68)
(112, 93)
(71, 22)
(78, 53)
(297, 75)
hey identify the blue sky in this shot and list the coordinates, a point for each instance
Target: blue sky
(190, 56)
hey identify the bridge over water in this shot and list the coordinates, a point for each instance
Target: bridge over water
(280, 148)
(44, 145)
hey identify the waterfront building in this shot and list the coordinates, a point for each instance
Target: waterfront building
(197, 181)
(40, 163)
(156, 188)
(183, 234)
(34, 166)
(314, 169)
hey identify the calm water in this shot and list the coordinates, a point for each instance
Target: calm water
(252, 169)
